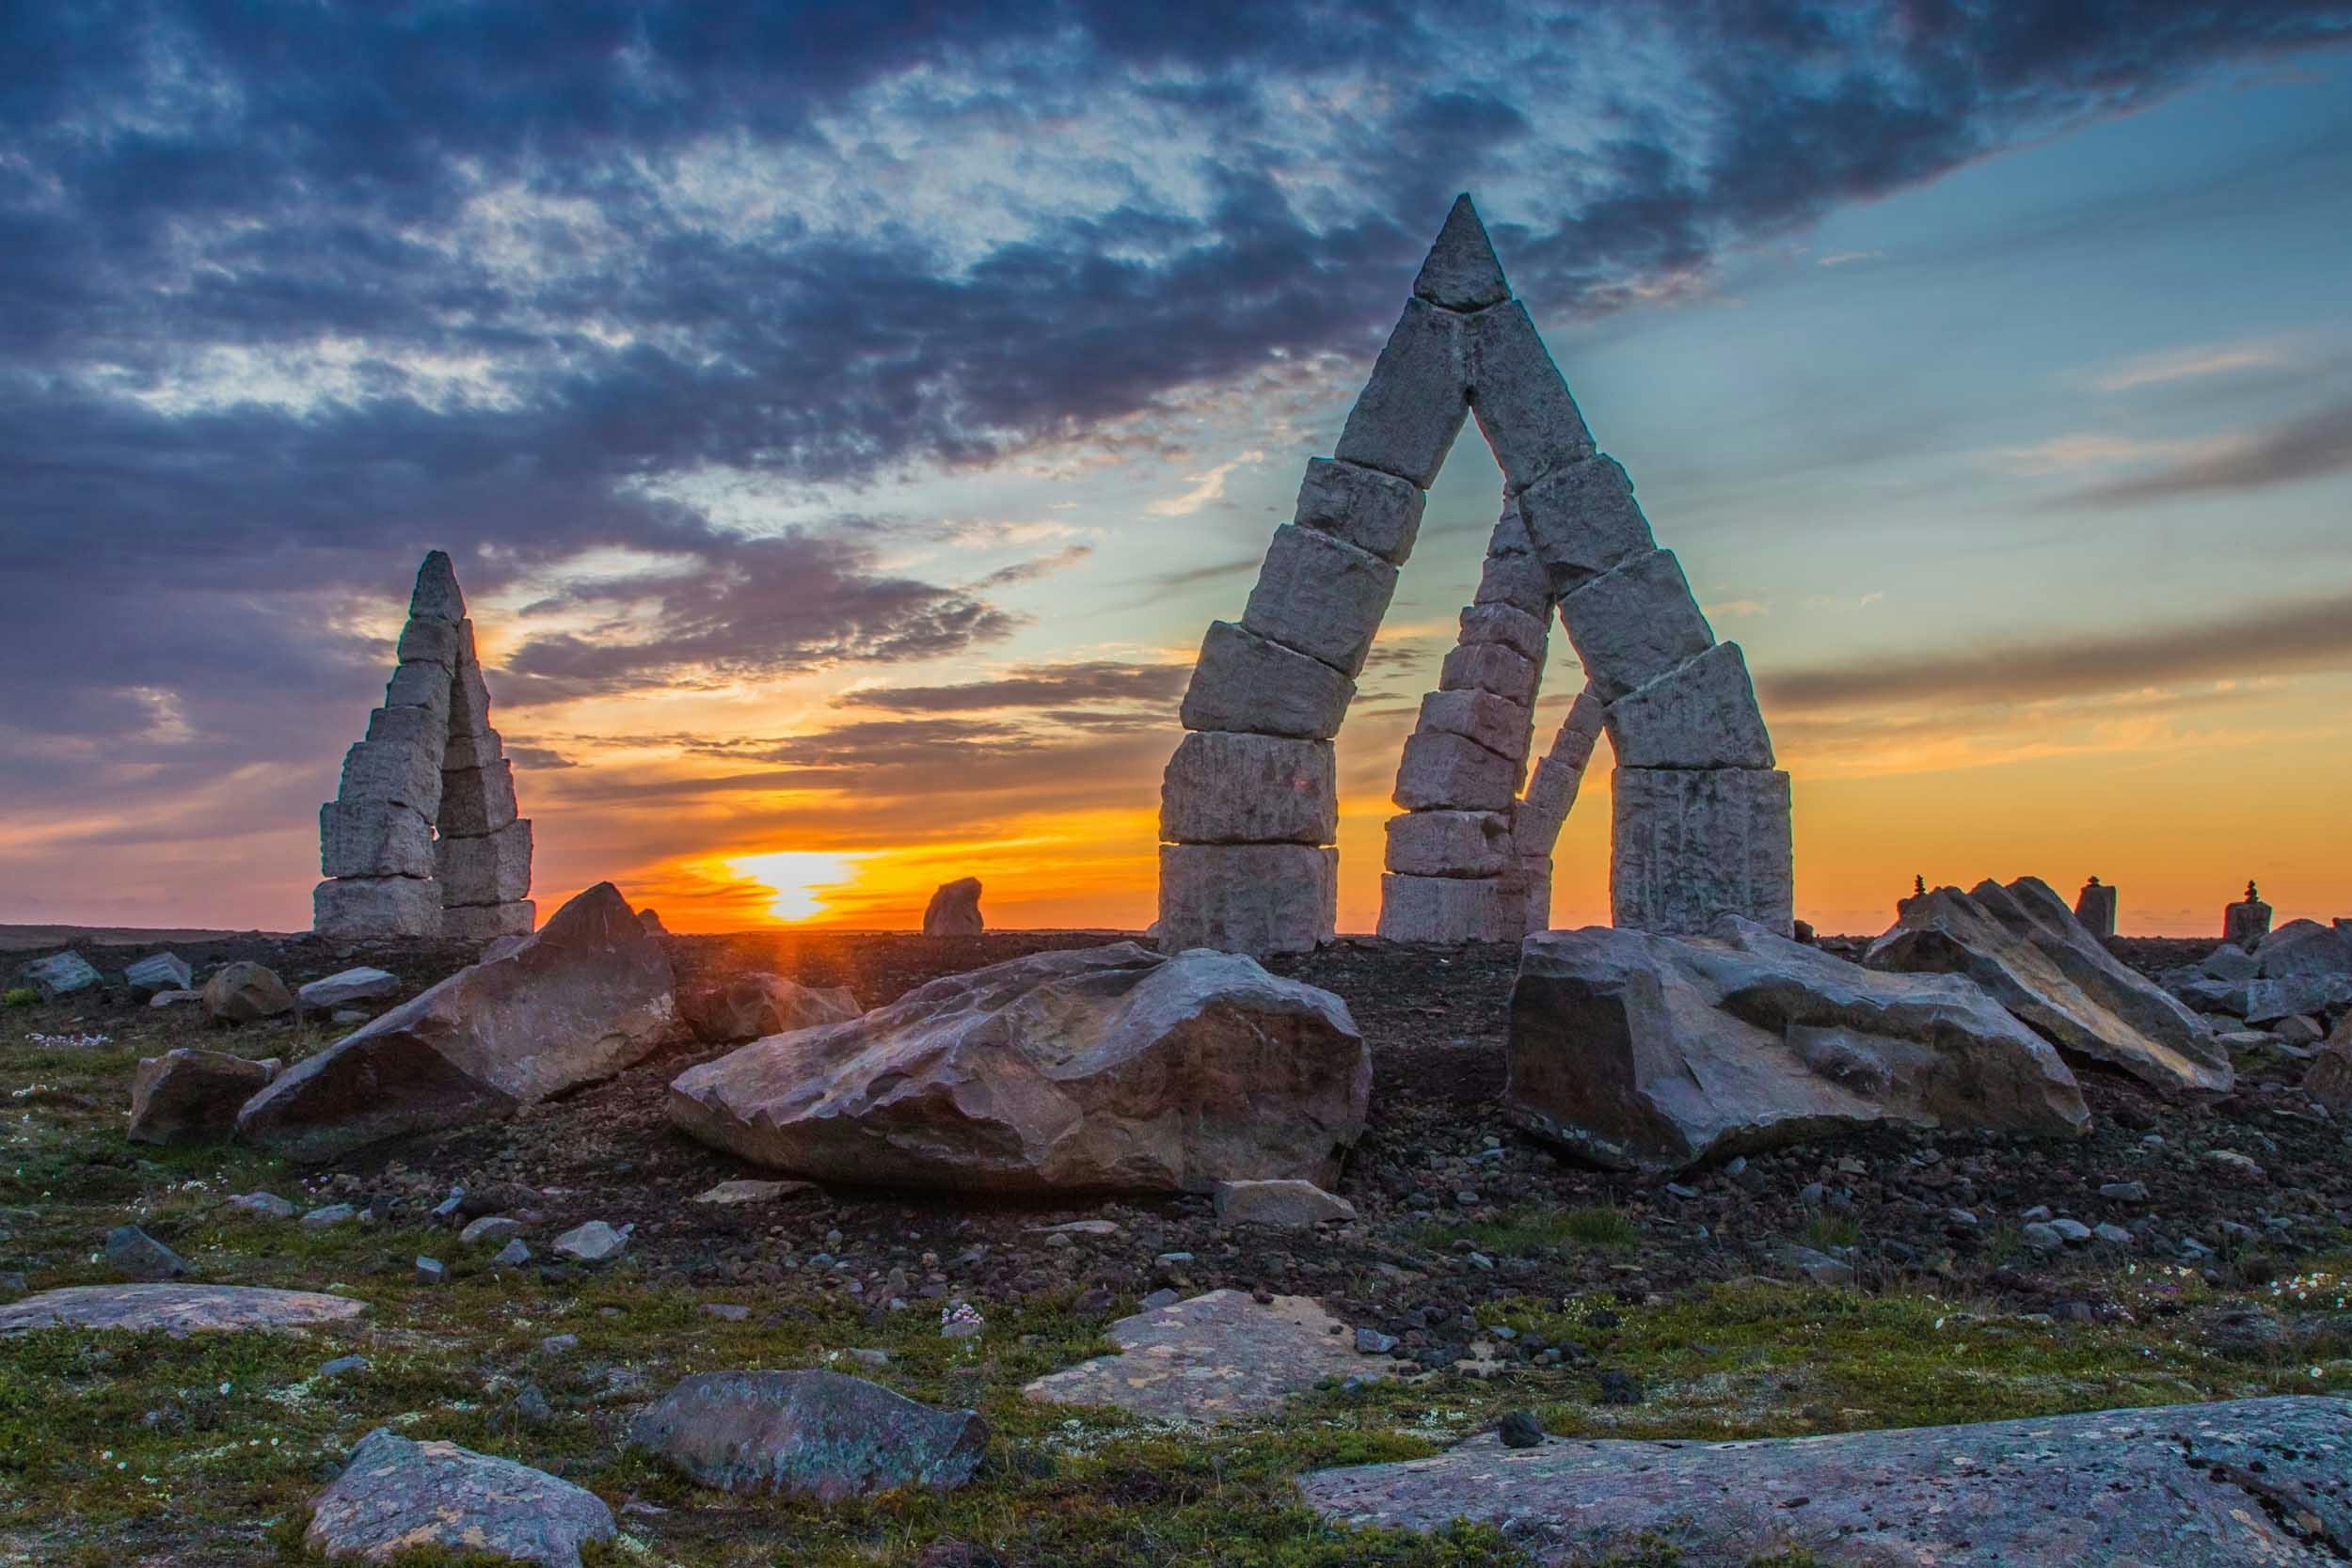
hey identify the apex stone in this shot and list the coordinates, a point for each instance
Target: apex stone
(437, 598)
(1461, 273)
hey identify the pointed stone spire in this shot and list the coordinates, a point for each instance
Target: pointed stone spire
(438, 596)
(1461, 273)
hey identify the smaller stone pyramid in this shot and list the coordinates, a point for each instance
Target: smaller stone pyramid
(421, 839)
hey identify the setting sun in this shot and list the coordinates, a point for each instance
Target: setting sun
(801, 878)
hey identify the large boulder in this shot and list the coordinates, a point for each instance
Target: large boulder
(2302, 947)
(818, 1434)
(954, 909)
(58, 975)
(1100, 1068)
(2025, 946)
(159, 972)
(398, 1497)
(188, 1096)
(585, 996)
(1650, 1051)
(245, 992)
(748, 1006)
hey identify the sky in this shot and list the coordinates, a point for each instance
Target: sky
(847, 421)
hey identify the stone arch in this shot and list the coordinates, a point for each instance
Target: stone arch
(422, 839)
(1248, 804)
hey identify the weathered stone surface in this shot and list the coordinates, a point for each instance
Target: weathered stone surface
(473, 751)
(374, 838)
(1654, 1052)
(58, 975)
(1461, 272)
(2303, 947)
(2024, 947)
(422, 685)
(2328, 1080)
(743, 1190)
(1552, 791)
(1449, 844)
(489, 922)
(1501, 726)
(747, 1007)
(1701, 715)
(1376, 512)
(492, 869)
(2267, 1002)
(592, 1242)
(1514, 629)
(377, 906)
(176, 999)
(1107, 1069)
(469, 698)
(477, 800)
(650, 918)
(1244, 682)
(2245, 923)
(1522, 405)
(1321, 596)
(2095, 907)
(188, 1096)
(433, 641)
(1526, 894)
(158, 973)
(1253, 898)
(1582, 520)
(1491, 667)
(134, 1255)
(1636, 623)
(437, 595)
(1447, 910)
(585, 997)
(398, 1497)
(1687, 845)
(1212, 1358)
(1441, 772)
(2230, 961)
(403, 775)
(244, 992)
(176, 1309)
(347, 986)
(1408, 414)
(419, 728)
(1280, 1205)
(2223, 1485)
(816, 1434)
(1223, 787)
(1511, 573)
(954, 909)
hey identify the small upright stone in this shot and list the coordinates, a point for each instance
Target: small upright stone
(1461, 272)
(134, 1255)
(2247, 922)
(955, 910)
(2095, 907)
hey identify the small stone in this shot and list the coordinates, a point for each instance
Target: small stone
(245, 992)
(398, 1497)
(161, 972)
(1371, 1341)
(2042, 1236)
(593, 1243)
(329, 1214)
(134, 1255)
(1620, 1387)
(559, 1344)
(1521, 1430)
(2072, 1233)
(267, 1205)
(1284, 1204)
(345, 987)
(490, 1230)
(342, 1366)
(2114, 1235)
(1158, 1299)
(431, 1271)
(514, 1254)
(725, 1311)
(2124, 1192)
(59, 975)
(822, 1436)
(531, 1407)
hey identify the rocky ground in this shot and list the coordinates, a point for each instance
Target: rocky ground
(1891, 1279)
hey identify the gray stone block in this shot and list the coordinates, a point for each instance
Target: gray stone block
(1508, 624)
(1407, 418)
(1526, 897)
(423, 685)
(1446, 909)
(435, 643)
(437, 595)
(469, 698)
(1320, 596)
(1504, 727)
(473, 751)
(485, 922)
(377, 906)
(1461, 272)
(494, 868)
(1558, 779)
(1377, 513)
(1703, 715)
(1449, 844)
(1448, 772)
(1523, 407)
(374, 838)
(1518, 581)
(389, 771)
(1244, 682)
(1222, 788)
(1691, 844)
(1582, 520)
(421, 728)
(477, 800)
(1253, 898)
(1491, 667)
(1634, 623)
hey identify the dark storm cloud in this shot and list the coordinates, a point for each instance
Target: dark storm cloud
(2308, 448)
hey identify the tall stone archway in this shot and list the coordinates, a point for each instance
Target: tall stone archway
(1249, 804)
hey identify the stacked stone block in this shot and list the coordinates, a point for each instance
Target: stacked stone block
(430, 760)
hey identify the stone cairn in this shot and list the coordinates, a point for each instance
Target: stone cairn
(421, 839)
(2095, 907)
(2245, 923)
(1248, 809)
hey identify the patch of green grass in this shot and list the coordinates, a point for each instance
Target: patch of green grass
(1824, 1231)
(1532, 1229)
(20, 996)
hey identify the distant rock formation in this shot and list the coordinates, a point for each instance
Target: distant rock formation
(954, 909)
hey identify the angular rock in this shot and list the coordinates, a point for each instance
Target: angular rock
(492, 869)
(437, 595)
(1508, 624)
(473, 751)
(2024, 947)
(747, 1007)
(269, 1206)
(1252, 898)
(1552, 789)
(489, 922)
(347, 986)
(476, 800)
(729, 1194)
(374, 838)
(419, 728)
(1408, 414)
(398, 1497)
(2222, 1485)
(1636, 623)
(2266, 1002)
(176, 1309)
(2229, 962)
(585, 997)
(1377, 513)
(468, 701)
(58, 975)
(192, 1096)
(1582, 520)
(434, 642)
(1448, 909)
(1321, 596)
(816, 1434)
(1461, 272)
(134, 1255)
(2095, 907)
(2246, 922)
(1688, 845)
(1491, 667)
(1445, 772)
(2303, 948)
(1280, 1204)
(160, 972)
(1210, 1358)
(377, 906)
(1222, 788)
(1702, 715)
(1523, 407)
(422, 685)
(954, 909)
(1503, 727)
(245, 992)
(593, 1241)
(175, 998)
(1654, 1052)
(1107, 1069)
(1511, 575)
(400, 775)
(1244, 682)
(1449, 844)
(2328, 1080)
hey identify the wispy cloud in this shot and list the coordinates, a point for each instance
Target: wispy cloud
(1848, 258)
(2081, 450)
(2308, 448)
(2186, 364)
(1206, 487)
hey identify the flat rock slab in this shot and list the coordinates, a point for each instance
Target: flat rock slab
(816, 1434)
(1213, 1356)
(398, 1497)
(2188, 1486)
(176, 1309)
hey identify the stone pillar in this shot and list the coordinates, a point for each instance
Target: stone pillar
(2095, 907)
(1691, 844)
(2245, 923)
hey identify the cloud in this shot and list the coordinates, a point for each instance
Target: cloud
(2308, 448)
(1050, 687)
(1849, 257)
(2189, 364)
(2079, 451)
(1207, 487)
